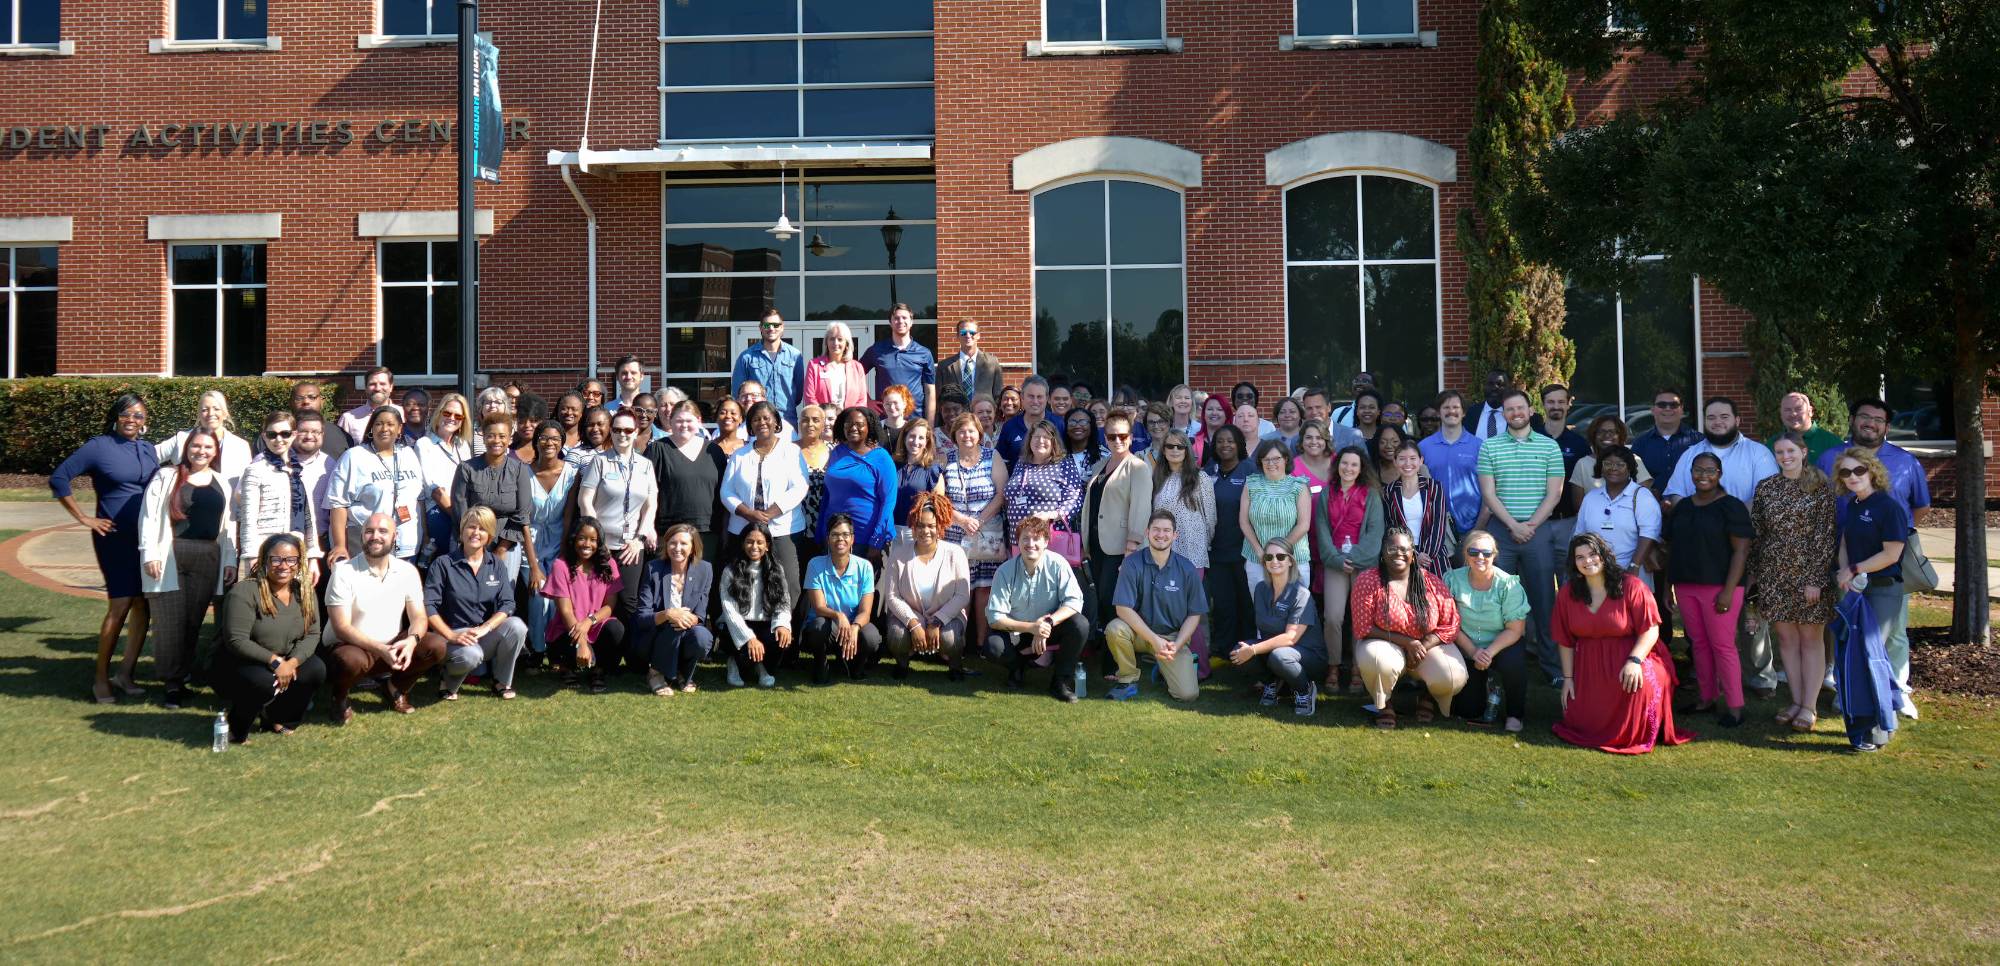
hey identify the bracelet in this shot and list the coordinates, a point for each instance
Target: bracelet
(1635, 660)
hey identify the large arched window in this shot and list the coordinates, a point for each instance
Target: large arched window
(1110, 251)
(1361, 283)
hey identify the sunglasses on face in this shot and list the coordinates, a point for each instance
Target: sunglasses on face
(1849, 472)
(1480, 552)
(625, 431)
(968, 332)
(1276, 557)
(1666, 404)
(774, 325)
(1117, 437)
(1174, 447)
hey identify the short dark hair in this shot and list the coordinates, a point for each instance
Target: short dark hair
(1449, 394)
(1615, 451)
(1669, 391)
(1312, 391)
(622, 360)
(384, 370)
(1725, 400)
(1368, 394)
(1246, 384)
(1553, 387)
(307, 415)
(868, 421)
(1166, 515)
(1269, 446)
(769, 310)
(1512, 391)
(1854, 408)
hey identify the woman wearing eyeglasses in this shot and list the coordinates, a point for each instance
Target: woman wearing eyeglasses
(1286, 640)
(273, 498)
(1492, 615)
(439, 454)
(265, 663)
(619, 489)
(1118, 500)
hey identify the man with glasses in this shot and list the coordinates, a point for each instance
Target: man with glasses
(900, 360)
(1661, 447)
(308, 395)
(750, 394)
(971, 373)
(774, 364)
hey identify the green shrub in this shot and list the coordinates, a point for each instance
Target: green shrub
(43, 420)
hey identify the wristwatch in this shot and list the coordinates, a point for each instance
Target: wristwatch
(276, 663)
(1635, 660)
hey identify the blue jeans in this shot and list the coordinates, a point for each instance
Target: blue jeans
(540, 611)
(1536, 563)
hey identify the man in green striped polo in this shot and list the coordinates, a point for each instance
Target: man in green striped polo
(1520, 483)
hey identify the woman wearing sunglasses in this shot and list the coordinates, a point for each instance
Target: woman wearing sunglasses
(1286, 640)
(1492, 614)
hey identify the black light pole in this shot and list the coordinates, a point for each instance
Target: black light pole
(468, 235)
(892, 236)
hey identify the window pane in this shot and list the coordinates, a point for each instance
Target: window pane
(1326, 18)
(194, 332)
(869, 200)
(1073, 20)
(35, 267)
(243, 332)
(751, 204)
(1069, 225)
(895, 111)
(1396, 219)
(444, 331)
(403, 261)
(1402, 330)
(195, 20)
(1133, 20)
(1590, 320)
(692, 18)
(1659, 333)
(1918, 409)
(829, 16)
(244, 20)
(853, 61)
(716, 64)
(1069, 325)
(444, 261)
(1323, 322)
(730, 299)
(744, 114)
(193, 264)
(444, 17)
(405, 16)
(35, 334)
(41, 23)
(730, 249)
(243, 264)
(1320, 222)
(403, 329)
(693, 349)
(850, 249)
(1145, 225)
(866, 298)
(1147, 333)
(1394, 17)
(706, 390)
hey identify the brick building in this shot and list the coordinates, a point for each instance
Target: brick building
(1126, 192)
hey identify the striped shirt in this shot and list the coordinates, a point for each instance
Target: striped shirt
(1521, 470)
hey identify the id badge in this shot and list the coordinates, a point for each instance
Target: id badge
(402, 514)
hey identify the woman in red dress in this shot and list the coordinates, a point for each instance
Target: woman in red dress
(1616, 684)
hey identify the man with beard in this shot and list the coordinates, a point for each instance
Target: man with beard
(375, 616)
(1745, 463)
(381, 385)
(315, 464)
(1556, 403)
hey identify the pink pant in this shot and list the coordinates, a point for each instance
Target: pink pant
(1713, 637)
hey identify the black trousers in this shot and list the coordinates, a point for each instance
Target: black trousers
(1230, 613)
(819, 639)
(1103, 586)
(773, 655)
(247, 690)
(1512, 667)
(1010, 649)
(609, 648)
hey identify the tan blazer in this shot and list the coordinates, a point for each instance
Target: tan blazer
(946, 603)
(1124, 508)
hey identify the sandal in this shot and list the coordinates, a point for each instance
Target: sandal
(660, 686)
(505, 691)
(106, 696)
(1804, 722)
(1386, 720)
(1786, 716)
(1427, 710)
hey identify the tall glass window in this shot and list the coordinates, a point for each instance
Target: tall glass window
(28, 307)
(863, 246)
(1356, 18)
(30, 22)
(1103, 21)
(419, 304)
(220, 19)
(417, 18)
(218, 309)
(1361, 284)
(1111, 250)
(1631, 344)
(737, 70)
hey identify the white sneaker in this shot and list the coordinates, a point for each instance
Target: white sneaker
(735, 677)
(1909, 707)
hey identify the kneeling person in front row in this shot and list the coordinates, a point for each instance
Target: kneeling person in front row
(1160, 602)
(927, 584)
(1405, 622)
(265, 662)
(375, 621)
(470, 602)
(1286, 621)
(840, 603)
(1036, 604)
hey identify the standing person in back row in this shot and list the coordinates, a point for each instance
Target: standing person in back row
(381, 387)
(901, 360)
(774, 364)
(310, 395)
(971, 372)
(1520, 480)
(1491, 420)
(1745, 464)
(1452, 456)
(1660, 448)
(1556, 402)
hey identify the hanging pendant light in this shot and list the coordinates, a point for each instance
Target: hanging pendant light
(783, 230)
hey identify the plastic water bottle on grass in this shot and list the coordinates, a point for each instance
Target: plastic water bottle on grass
(221, 731)
(1492, 704)
(1082, 680)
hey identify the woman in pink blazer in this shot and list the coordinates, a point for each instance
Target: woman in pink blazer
(836, 377)
(927, 583)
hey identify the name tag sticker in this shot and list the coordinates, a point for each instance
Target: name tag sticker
(611, 474)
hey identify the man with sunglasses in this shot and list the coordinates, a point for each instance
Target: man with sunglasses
(971, 372)
(1660, 448)
(774, 364)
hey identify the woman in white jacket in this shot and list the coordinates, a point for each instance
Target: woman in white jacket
(187, 555)
(273, 498)
(213, 416)
(450, 442)
(764, 483)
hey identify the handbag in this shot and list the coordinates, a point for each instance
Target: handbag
(1068, 544)
(988, 545)
(1919, 576)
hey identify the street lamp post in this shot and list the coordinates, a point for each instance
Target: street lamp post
(468, 235)
(892, 237)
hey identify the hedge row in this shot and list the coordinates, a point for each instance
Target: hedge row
(43, 420)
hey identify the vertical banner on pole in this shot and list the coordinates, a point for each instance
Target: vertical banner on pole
(488, 131)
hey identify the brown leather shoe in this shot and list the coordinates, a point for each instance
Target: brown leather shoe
(400, 703)
(342, 712)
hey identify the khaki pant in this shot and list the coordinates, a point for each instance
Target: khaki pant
(1381, 664)
(1180, 674)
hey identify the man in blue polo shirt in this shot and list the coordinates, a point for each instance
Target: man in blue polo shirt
(1660, 448)
(1159, 601)
(1452, 456)
(900, 360)
(1034, 408)
(774, 364)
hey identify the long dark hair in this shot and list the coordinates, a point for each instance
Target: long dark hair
(1614, 575)
(599, 562)
(1420, 603)
(1189, 474)
(1364, 481)
(777, 598)
(177, 502)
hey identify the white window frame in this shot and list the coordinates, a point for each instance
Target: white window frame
(1626, 410)
(1103, 43)
(10, 285)
(11, 43)
(430, 285)
(1106, 268)
(221, 24)
(1303, 38)
(172, 44)
(794, 314)
(1360, 263)
(798, 39)
(219, 287)
(432, 36)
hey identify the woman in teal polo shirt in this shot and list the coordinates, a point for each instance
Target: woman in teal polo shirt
(1492, 615)
(840, 604)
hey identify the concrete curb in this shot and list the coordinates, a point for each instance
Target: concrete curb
(11, 565)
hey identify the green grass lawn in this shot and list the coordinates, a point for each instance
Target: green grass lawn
(16, 494)
(925, 820)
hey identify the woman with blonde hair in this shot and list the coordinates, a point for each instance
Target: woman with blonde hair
(212, 415)
(449, 443)
(469, 601)
(836, 378)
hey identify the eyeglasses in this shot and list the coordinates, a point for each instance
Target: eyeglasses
(1477, 552)
(1117, 437)
(451, 415)
(625, 431)
(277, 434)
(1666, 404)
(1174, 447)
(1276, 557)
(969, 333)
(284, 561)
(1846, 472)
(774, 325)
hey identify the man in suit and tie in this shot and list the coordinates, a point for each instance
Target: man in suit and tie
(971, 372)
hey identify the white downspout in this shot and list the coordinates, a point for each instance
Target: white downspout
(590, 272)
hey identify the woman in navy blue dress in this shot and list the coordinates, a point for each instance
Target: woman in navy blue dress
(119, 463)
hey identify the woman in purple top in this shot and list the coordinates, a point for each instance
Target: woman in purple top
(119, 463)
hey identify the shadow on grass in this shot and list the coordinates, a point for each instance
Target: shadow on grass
(190, 727)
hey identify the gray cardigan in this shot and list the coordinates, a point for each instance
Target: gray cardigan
(1367, 548)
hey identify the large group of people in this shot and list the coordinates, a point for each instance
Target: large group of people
(876, 507)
